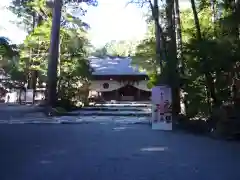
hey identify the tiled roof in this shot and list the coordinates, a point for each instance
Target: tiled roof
(114, 66)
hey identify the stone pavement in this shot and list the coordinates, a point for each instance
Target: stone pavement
(77, 120)
(107, 113)
(16, 111)
(98, 151)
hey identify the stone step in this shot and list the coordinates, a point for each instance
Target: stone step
(102, 119)
(120, 108)
(110, 113)
(123, 105)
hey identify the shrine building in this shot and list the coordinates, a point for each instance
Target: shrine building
(114, 78)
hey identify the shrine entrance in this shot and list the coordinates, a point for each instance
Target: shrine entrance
(127, 93)
(127, 90)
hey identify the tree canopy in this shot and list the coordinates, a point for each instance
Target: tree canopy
(209, 48)
(35, 17)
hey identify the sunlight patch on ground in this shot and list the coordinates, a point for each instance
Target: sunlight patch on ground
(119, 128)
(154, 149)
(54, 153)
(45, 162)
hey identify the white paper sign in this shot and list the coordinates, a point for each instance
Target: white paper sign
(155, 95)
(29, 96)
(161, 111)
(11, 97)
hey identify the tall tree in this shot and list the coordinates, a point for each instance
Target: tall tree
(172, 63)
(168, 51)
(208, 75)
(179, 36)
(34, 13)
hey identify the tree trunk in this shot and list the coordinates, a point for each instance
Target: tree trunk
(32, 81)
(157, 33)
(59, 71)
(235, 7)
(53, 54)
(208, 77)
(29, 71)
(160, 39)
(214, 19)
(179, 37)
(236, 87)
(172, 61)
(196, 21)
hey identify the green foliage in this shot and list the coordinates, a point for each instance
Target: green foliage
(100, 52)
(7, 49)
(73, 70)
(153, 80)
(221, 54)
(116, 48)
(145, 56)
(73, 65)
(215, 54)
(30, 12)
(9, 59)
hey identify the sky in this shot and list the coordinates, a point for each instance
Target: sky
(110, 20)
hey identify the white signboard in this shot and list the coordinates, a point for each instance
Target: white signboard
(161, 108)
(11, 97)
(29, 96)
(155, 95)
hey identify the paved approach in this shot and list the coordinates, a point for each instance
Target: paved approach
(13, 111)
(108, 151)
